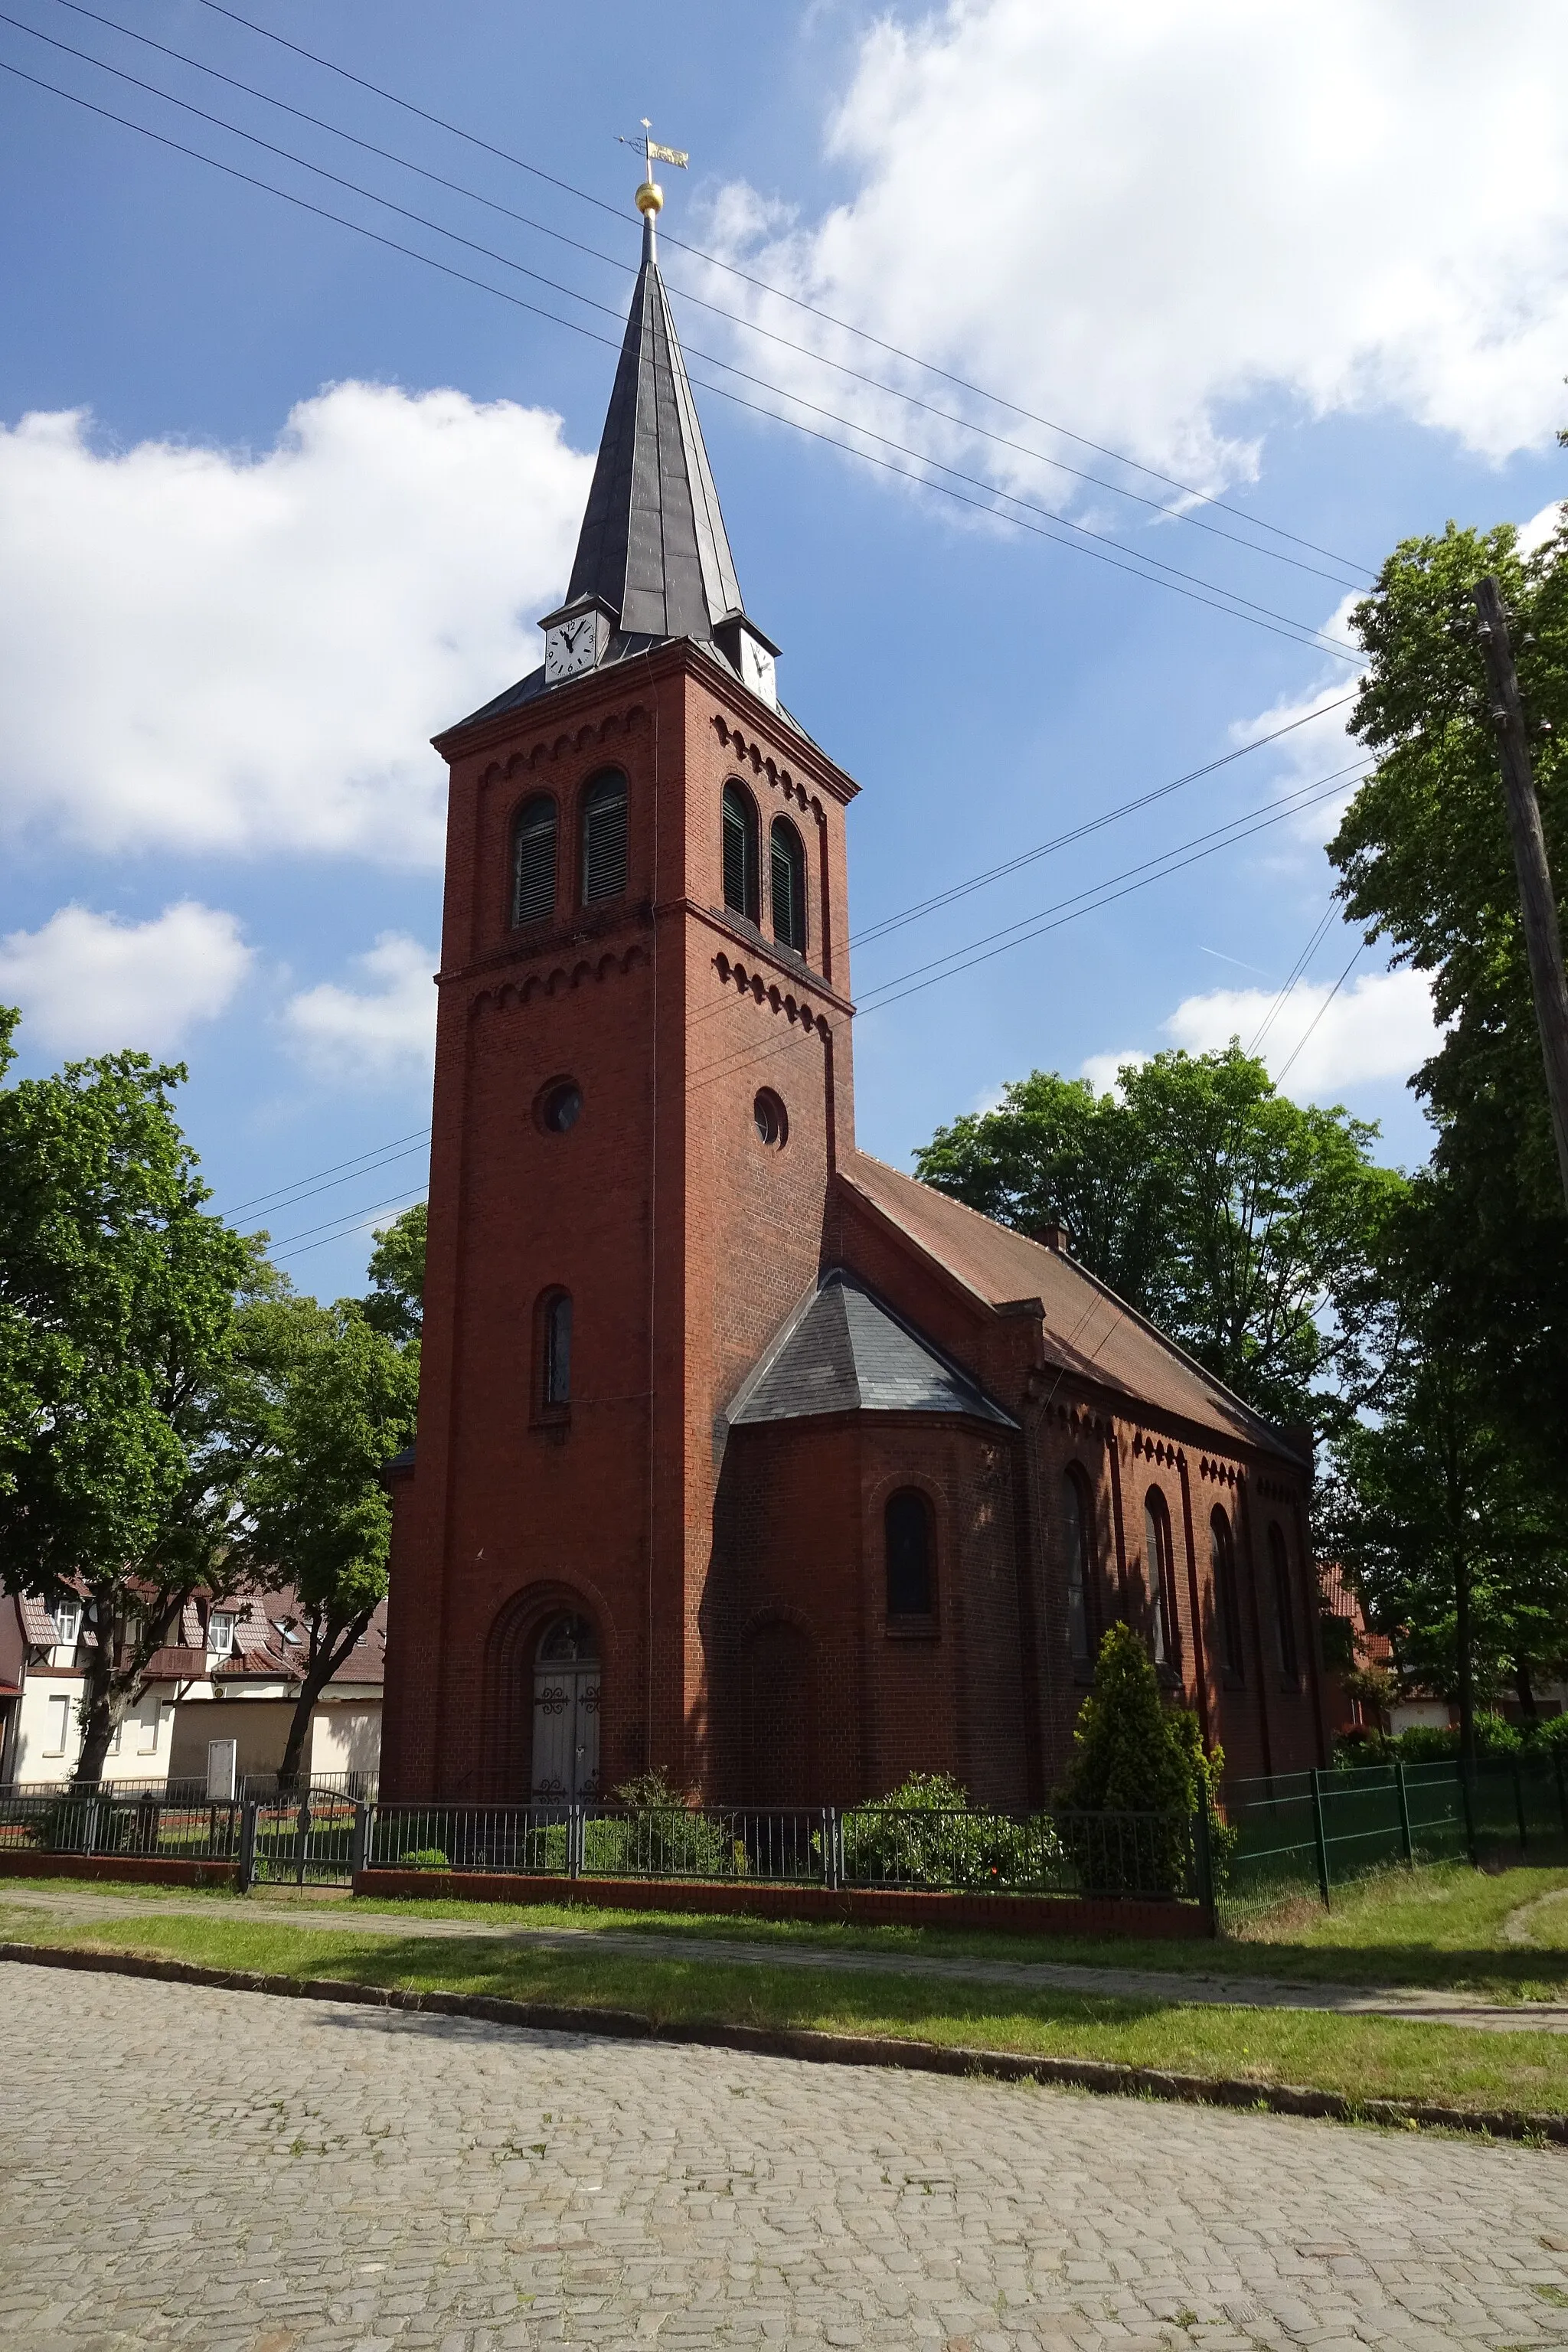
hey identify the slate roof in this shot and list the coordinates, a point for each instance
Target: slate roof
(653, 542)
(1087, 1328)
(845, 1351)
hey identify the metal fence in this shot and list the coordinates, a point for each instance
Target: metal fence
(148, 1823)
(1323, 1828)
(836, 1847)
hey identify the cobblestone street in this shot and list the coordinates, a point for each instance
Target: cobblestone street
(181, 2166)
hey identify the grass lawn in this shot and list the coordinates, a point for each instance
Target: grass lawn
(1357, 2056)
(1441, 1927)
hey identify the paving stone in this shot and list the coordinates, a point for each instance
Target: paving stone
(268, 2176)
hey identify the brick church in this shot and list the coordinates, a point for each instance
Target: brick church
(741, 1453)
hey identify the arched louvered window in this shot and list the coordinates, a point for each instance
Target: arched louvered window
(1226, 1600)
(1284, 1605)
(604, 837)
(555, 1384)
(1159, 1569)
(742, 853)
(533, 861)
(787, 885)
(906, 1525)
(1077, 1542)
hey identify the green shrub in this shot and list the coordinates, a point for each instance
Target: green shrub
(1364, 1744)
(662, 1834)
(1548, 1738)
(423, 1857)
(1133, 1754)
(1438, 1743)
(926, 1833)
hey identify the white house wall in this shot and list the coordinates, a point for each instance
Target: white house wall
(48, 1733)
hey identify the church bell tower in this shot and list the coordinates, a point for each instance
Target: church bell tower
(642, 1087)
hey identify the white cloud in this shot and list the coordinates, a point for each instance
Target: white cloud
(209, 649)
(367, 1036)
(1379, 1026)
(1103, 1071)
(88, 984)
(1133, 216)
(1541, 526)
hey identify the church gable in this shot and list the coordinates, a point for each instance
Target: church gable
(845, 1351)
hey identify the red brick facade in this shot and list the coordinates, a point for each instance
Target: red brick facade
(734, 1577)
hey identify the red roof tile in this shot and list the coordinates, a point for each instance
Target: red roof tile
(1088, 1329)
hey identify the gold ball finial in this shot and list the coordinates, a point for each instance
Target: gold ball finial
(650, 197)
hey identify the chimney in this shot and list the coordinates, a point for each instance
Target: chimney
(1055, 1236)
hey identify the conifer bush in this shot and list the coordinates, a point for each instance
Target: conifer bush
(1135, 1755)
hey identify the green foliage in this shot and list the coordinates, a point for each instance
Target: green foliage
(395, 1305)
(1235, 1219)
(327, 1401)
(925, 1833)
(1133, 1754)
(423, 1857)
(1426, 861)
(116, 1299)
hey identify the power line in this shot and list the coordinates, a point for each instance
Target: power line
(275, 1198)
(795, 301)
(1281, 1072)
(303, 1192)
(1093, 825)
(1319, 932)
(613, 261)
(377, 1208)
(1134, 561)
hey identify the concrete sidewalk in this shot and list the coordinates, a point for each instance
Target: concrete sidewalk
(1181, 1988)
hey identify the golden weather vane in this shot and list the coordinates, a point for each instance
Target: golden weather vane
(650, 197)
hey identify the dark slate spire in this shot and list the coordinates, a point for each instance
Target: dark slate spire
(653, 543)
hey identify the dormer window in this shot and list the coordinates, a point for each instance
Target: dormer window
(220, 1633)
(66, 1616)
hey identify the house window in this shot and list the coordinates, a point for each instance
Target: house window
(787, 883)
(67, 1619)
(533, 861)
(604, 837)
(1227, 1602)
(742, 853)
(59, 1726)
(906, 1525)
(556, 1383)
(1284, 1608)
(220, 1633)
(148, 1725)
(1159, 1571)
(1078, 1521)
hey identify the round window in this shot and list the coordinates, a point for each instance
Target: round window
(771, 1124)
(561, 1107)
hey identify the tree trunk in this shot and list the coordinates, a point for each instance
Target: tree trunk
(98, 1702)
(329, 1656)
(1526, 1690)
(1467, 1667)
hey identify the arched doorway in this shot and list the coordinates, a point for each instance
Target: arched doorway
(565, 1713)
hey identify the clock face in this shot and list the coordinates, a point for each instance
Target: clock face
(757, 667)
(572, 646)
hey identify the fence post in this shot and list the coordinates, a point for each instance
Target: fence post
(573, 1839)
(1468, 1800)
(1321, 1834)
(301, 1838)
(1203, 1854)
(1402, 1790)
(359, 1846)
(830, 1848)
(1518, 1807)
(244, 1874)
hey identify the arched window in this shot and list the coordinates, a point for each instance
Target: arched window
(1159, 1569)
(1078, 1541)
(555, 1349)
(1284, 1606)
(742, 853)
(907, 1529)
(1226, 1600)
(604, 837)
(533, 860)
(787, 885)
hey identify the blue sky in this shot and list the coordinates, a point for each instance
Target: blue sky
(276, 502)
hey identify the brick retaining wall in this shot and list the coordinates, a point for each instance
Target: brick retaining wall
(1015, 1915)
(144, 1870)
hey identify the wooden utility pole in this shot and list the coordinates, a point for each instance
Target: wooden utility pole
(1543, 937)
